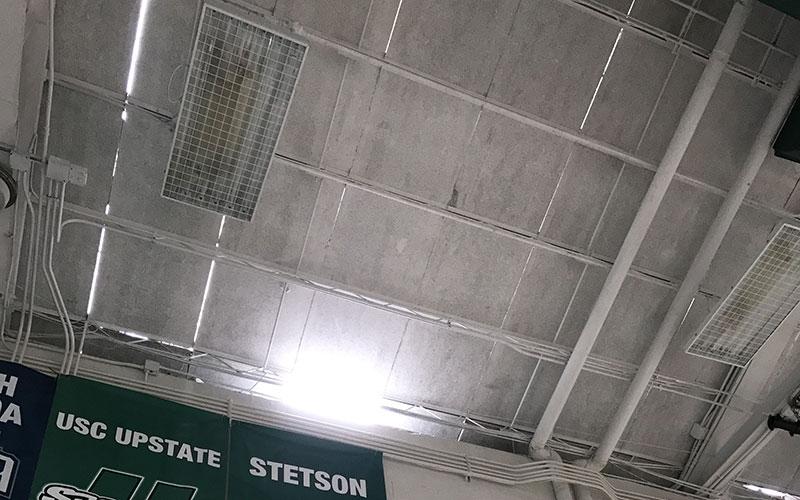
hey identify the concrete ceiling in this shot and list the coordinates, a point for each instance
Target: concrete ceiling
(540, 57)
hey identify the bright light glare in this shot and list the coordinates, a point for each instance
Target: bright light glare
(137, 46)
(770, 492)
(343, 390)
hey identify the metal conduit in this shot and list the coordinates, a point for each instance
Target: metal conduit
(700, 265)
(641, 223)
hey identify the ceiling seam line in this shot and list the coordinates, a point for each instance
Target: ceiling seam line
(544, 225)
(662, 37)
(396, 354)
(510, 112)
(555, 338)
(465, 218)
(536, 123)
(505, 47)
(599, 365)
(516, 288)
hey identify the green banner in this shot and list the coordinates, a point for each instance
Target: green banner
(106, 443)
(268, 464)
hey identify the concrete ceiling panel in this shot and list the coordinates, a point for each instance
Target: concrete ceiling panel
(726, 132)
(578, 311)
(748, 235)
(379, 26)
(351, 334)
(677, 363)
(588, 410)
(629, 91)
(618, 5)
(308, 121)
(776, 465)
(457, 41)
(670, 252)
(436, 366)
(149, 288)
(664, 14)
(775, 182)
(321, 227)
(376, 244)
(670, 108)
(764, 22)
(278, 229)
(343, 19)
(289, 327)
(749, 53)
(355, 99)
(166, 49)
(633, 320)
(553, 60)
(73, 265)
(85, 131)
(591, 406)
(704, 32)
(621, 210)
(136, 195)
(544, 294)
(394, 149)
(581, 197)
(510, 171)
(240, 313)
(661, 425)
(778, 66)
(502, 384)
(473, 273)
(93, 41)
(789, 36)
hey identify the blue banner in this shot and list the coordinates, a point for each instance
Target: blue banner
(25, 399)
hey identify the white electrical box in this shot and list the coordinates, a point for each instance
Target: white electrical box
(61, 170)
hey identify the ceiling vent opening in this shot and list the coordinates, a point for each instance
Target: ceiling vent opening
(760, 301)
(238, 90)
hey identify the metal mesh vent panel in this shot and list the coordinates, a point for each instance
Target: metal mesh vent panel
(761, 300)
(241, 79)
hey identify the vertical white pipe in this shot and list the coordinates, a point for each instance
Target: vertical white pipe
(644, 217)
(700, 265)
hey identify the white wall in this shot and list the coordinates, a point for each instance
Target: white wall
(409, 482)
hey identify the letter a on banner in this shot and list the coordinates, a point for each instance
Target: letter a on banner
(25, 399)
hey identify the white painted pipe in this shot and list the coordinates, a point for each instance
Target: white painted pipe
(644, 217)
(700, 265)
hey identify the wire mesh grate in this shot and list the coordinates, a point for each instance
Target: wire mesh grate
(762, 299)
(240, 84)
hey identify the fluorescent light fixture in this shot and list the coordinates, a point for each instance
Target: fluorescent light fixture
(334, 388)
(137, 47)
(238, 90)
(756, 306)
(769, 492)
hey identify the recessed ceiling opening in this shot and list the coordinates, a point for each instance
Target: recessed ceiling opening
(756, 306)
(240, 84)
